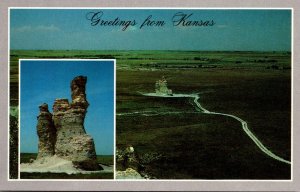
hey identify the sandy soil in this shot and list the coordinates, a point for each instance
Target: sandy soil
(56, 164)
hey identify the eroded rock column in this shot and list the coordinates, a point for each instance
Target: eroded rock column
(46, 132)
(72, 141)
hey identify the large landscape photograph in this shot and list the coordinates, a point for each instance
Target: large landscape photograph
(201, 94)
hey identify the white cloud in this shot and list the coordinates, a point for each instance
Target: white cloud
(22, 29)
(47, 28)
(132, 28)
(39, 28)
(118, 29)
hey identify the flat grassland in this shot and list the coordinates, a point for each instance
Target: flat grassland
(176, 142)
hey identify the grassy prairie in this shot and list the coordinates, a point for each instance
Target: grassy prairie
(200, 146)
(255, 86)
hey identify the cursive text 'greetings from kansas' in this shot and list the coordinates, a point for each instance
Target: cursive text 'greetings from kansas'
(179, 19)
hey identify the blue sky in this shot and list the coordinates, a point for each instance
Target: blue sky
(44, 81)
(241, 30)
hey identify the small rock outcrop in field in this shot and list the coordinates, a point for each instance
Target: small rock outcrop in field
(161, 87)
(63, 133)
(126, 158)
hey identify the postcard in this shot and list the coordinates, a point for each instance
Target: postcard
(185, 98)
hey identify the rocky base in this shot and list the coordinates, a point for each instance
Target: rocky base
(56, 164)
(129, 173)
(88, 165)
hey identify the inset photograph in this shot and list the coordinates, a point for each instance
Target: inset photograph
(67, 119)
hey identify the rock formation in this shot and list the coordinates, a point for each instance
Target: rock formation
(127, 158)
(46, 132)
(161, 87)
(70, 139)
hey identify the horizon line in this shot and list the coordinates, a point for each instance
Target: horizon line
(187, 50)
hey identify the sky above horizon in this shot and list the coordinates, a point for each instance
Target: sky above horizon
(71, 29)
(44, 81)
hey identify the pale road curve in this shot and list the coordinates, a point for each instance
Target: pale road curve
(244, 123)
(153, 113)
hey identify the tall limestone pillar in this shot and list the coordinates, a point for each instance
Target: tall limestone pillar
(46, 132)
(72, 141)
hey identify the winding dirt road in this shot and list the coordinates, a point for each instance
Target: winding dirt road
(244, 123)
